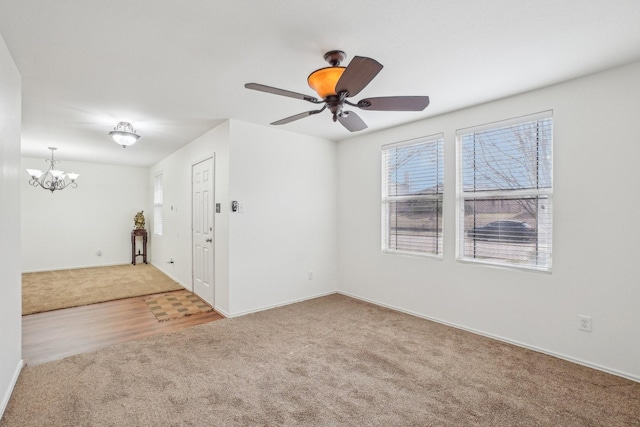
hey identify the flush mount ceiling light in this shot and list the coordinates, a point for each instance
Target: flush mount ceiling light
(53, 179)
(124, 134)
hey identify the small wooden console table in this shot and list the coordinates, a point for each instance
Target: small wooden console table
(134, 234)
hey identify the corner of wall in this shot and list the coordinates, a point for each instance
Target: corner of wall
(10, 244)
(7, 394)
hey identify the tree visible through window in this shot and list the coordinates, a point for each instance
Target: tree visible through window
(412, 187)
(504, 192)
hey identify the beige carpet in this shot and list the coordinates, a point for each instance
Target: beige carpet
(52, 290)
(331, 361)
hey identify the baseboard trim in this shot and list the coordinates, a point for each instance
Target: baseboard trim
(9, 391)
(76, 267)
(499, 338)
(221, 312)
(170, 276)
(281, 304)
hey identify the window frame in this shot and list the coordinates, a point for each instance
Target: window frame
(437, 196)
(541, 260)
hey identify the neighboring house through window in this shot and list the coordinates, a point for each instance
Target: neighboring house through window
(412, 191)
(504, 192)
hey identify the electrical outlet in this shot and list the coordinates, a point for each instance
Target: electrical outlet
(310, 275)
(99, 252)
(584, 323)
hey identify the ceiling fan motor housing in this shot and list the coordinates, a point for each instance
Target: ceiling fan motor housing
(334, 104)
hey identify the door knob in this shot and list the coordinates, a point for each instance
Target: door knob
(209, 240)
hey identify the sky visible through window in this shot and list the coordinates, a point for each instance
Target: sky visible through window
(509, 158)
(415, 170)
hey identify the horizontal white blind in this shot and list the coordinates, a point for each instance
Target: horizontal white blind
(158, 195)
(412, 188)
(507, 158)
(505, 189)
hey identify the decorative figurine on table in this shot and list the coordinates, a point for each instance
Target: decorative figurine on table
(138, 221)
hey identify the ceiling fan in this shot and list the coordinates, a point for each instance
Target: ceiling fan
(335, 84)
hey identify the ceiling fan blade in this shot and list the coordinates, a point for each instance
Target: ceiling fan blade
(395, 103)
(282, 92)
(357, 75)
(351, 121)
(297, 117)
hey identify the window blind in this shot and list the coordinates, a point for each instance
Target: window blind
(412, 191)
(504, 192)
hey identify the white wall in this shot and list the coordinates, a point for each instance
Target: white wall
(176, 240)
(65, 229)
(10, 279)
(287, 184)
(596, 234)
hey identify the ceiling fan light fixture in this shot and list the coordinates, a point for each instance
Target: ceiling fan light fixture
(324, 80)
(124, 134)
(335, 84)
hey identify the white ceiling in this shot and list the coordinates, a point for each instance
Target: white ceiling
(176, 69)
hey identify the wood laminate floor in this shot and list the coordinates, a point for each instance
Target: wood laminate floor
(58, 334)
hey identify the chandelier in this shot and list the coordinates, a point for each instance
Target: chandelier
(53, 179)
(124, 134)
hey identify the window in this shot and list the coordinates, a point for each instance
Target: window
(504, 192)
(158, 194)
(412, 186)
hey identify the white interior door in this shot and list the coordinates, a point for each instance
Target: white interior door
(202, 225)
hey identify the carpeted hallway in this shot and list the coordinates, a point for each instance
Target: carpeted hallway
(324, 362)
